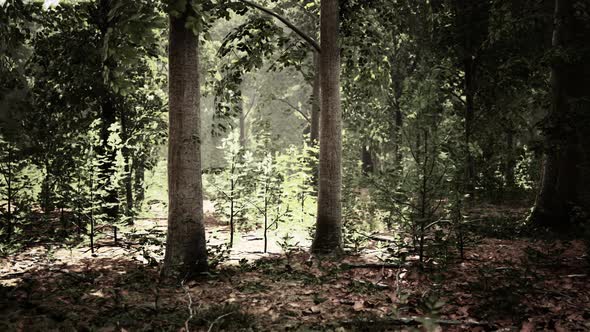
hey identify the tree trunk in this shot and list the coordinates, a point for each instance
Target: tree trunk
(469, 68)
(242, 126)
(138, 182)
(128, 180)
(107, 166)
(108, 118)
(367, 160)
(564, 195)
(9, 196)
(397, 120)
(186, 249)
(328, 234)
(510, 161)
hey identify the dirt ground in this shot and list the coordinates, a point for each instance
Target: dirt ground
(515, 284)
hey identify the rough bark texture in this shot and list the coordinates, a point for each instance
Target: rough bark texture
(564, 195)
(328, 236)
(185, 244)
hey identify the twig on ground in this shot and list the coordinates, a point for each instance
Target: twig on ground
(217, 319)
(190, 306)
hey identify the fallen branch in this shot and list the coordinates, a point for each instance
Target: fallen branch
(415, 321)
(371, 266)
(382, 238)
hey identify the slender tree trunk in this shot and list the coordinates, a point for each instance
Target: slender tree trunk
(469, 68)
(397, 121)
(242, 126)
(265, 225)
(9, 196)
(138, 182)
(231, 205)
(367, 160)
(398, 138)
(186, 249)
(564, 195)
(128, 180)
(328, 235)
(46, 189)
(510, 162)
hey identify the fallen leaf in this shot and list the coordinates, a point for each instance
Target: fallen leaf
(358, 305)
(528, 326)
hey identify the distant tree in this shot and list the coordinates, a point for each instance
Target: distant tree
(328, 234)
(232, 188)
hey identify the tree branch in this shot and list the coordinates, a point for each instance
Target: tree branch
(286, 102)
(314, 44)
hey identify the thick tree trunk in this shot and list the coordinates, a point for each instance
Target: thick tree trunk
(467, 13)
(328, 235)
(185, 245)
(564, 195)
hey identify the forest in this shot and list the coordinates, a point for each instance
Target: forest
(294, 165)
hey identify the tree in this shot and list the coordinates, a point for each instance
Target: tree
(564, 195)
(185, 244)
(328, 234)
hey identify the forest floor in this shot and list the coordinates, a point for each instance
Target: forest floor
(506, 281)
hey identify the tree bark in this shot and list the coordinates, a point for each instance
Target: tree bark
(469, 68)
(128, 180)
(564, 195)
(510, 161)
(138, 170)
(186, 250)
(108, 117)
(367, 160)
(328, 234)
